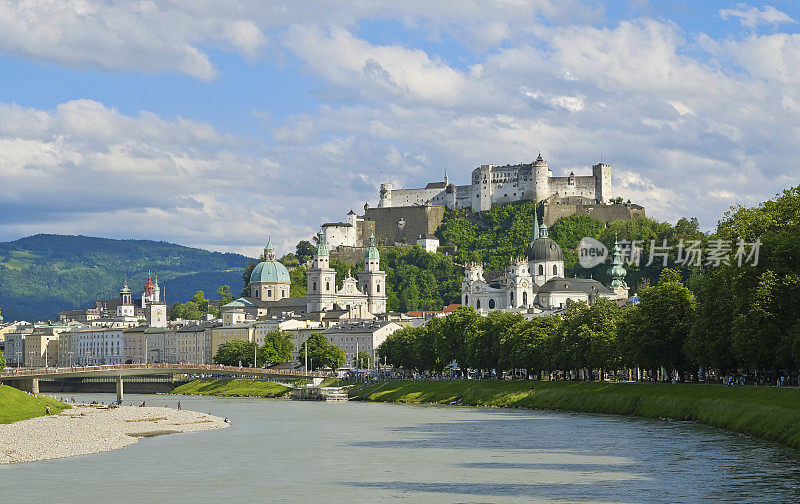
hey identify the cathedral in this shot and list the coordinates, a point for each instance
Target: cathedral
(270, 288)
(364, 296)
(537, 282)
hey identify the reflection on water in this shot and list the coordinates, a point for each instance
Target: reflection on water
(283, 451)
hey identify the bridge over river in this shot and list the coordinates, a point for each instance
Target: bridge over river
(28, 379)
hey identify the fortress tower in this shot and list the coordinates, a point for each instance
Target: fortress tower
(602, 182)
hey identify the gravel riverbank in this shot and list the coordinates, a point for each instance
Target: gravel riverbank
(89, 429)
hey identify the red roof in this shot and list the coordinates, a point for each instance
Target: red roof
(148, 287)
(447, 309)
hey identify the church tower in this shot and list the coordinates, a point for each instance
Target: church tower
(125, 307)
(373, 280)
(520, 283)
(321, 279)
(617, 273)
(544, 256)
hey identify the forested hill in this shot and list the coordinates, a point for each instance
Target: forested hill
(44, 274)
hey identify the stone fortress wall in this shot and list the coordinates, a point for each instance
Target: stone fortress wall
(403, 215)
(493, 184)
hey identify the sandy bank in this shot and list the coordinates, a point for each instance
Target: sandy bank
(85, 429)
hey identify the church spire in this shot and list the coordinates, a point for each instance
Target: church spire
(617, 271)
(535, 234)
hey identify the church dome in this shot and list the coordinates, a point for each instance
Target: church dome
(270, 272)
(544, 249)
(372, 250)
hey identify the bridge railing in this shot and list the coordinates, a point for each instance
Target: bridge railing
(178, 368)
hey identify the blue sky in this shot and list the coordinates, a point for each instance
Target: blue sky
(212, 123)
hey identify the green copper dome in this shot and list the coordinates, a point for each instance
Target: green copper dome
(125, 289)
(270, 272)
(372, 250)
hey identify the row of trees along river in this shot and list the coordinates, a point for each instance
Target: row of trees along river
(726, 319)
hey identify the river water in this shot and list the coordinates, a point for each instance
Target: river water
(286, 451)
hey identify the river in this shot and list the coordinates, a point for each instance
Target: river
(286, 451)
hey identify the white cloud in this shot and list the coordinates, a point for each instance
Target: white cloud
(173, 35)
(753, 16)
(687, 131)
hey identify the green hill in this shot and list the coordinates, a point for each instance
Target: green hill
(42, 275)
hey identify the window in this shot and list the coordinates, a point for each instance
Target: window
(269, 293)
(511, 298)
(314, 287)
(555, 269)
(478, 304)
(541, 269)
(378, 286)
(283, 293)
(466, 300)
(327, 286)
(491, 304)
(525, 299)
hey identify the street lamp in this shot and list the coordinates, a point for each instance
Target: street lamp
(30, 364)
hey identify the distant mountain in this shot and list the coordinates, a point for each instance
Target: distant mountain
(42, 275)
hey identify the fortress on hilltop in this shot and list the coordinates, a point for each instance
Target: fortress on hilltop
(409, 216)
(492, 184)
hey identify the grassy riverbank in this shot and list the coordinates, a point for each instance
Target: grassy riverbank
(765, 412)
(16, 405)
(239, 387)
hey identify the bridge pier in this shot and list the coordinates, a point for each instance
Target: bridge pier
(120, 396)
(26, 385)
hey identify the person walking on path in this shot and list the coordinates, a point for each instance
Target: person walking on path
(179, 405)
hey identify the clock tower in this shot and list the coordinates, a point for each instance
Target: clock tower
(156, 314)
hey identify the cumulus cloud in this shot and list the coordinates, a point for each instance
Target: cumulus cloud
(172, 35)
(691, 124)
(85, 168)
(753, 16)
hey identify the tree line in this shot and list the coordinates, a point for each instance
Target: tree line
(587, 340)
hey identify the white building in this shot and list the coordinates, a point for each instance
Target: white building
(429, 242)
(493, 184)
(360, 336)
(537, 281)
(98, 346)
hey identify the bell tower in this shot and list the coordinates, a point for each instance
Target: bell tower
(321, 279)
(372, 280)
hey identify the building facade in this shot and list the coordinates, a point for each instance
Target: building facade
(99, 346)
(359, 336)
(492, 184)
(537, 281)
(362, 297)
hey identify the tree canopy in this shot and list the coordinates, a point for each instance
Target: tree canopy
(321, 353)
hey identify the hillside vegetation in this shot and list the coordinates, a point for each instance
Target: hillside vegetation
(42, 275)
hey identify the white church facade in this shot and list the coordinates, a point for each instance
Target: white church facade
(537, 281)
